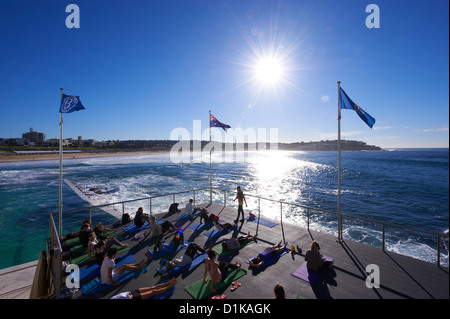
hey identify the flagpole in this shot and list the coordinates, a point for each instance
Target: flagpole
(339, 164)
(210, 179)
(60, 168)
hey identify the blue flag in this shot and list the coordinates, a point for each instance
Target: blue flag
(215, 123)
(70, 103)
(347, 103)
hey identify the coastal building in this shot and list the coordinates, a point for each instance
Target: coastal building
(33, 137)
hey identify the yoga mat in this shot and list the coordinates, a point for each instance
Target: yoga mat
(222, 252)
(94, 270)
(216, 233)
(81, 260)
(201, 290)
(270, 261)
(96, 285)
(133, 228)
(77, 247)
(308, 275)
(199, 226)
(195, 262)
(262, 221)
(164, 295)
(164, 251)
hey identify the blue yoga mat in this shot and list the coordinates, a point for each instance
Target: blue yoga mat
(94, 270)
(200, 226)
(270, 261)
(166, 250)
(133, 228)
(96, 285)
(262, 221)
(216, 233)
(195, 262)
(164, 295)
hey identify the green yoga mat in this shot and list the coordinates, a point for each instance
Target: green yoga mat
(81, 260)
(201, 290)
(222, 252)
(76, 240)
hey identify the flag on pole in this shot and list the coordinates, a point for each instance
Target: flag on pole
(70, 103)
(215, 123)
(347, 103)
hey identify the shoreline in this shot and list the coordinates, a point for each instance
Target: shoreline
(55, 156)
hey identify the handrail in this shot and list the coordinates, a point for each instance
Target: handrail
(56, 254)
(308, 209)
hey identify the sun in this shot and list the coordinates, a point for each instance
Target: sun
(269, 71)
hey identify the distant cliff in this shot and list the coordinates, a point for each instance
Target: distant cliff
(346, 145)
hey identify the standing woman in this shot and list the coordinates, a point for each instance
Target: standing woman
(241, 199)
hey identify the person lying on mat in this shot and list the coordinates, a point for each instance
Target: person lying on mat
(266, 255)
(192, 251)
(110, 275)
(236, 243)
(147, 292)
(315, 261)
(204, 216)
(222, 227)
(217, 272)
(157, 229)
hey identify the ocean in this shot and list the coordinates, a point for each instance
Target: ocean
(408, 187)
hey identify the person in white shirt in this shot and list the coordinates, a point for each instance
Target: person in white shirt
(189, 209)
(110, 275)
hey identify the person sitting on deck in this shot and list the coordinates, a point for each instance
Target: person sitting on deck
(173, 209)
(315, 261)
(217, 271)
(189, 209)
(177, 240)
(140, 218)
(192, 251)
(266, 255)
(236, 243)
(157, 229)
(93, 246)
(147, 292)
(109, 275)
(83, 235)
(99, 231)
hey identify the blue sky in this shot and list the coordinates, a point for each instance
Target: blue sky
(144, 68)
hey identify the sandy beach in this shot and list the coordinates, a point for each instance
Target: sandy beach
(55, 156)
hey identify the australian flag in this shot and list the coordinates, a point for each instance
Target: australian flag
(70, 103)
(215, 123)
(347, 103)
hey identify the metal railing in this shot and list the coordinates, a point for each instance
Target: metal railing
(57, 249)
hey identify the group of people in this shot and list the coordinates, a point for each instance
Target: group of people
(100, 249)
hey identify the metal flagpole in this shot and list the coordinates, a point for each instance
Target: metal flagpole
(339, 164)
(60, 168)
(210, 179)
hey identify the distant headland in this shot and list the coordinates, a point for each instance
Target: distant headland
(117, 147)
